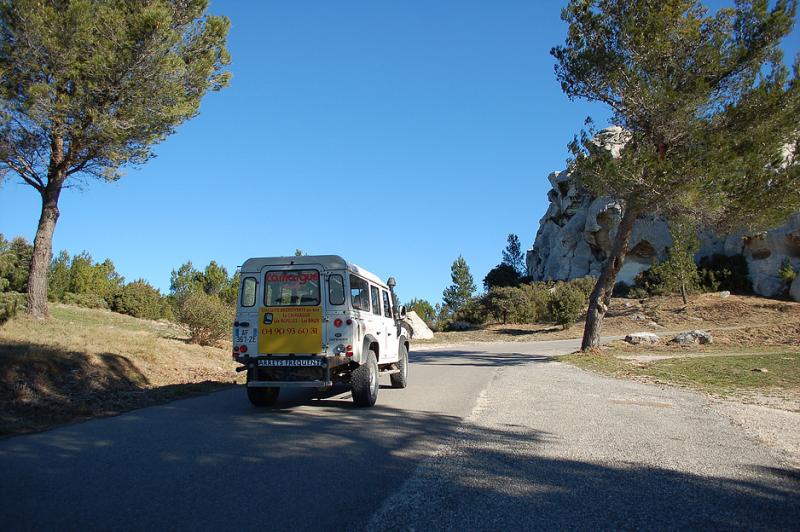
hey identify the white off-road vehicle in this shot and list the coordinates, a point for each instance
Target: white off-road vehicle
(314, 321)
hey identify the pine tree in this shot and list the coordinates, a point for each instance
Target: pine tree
(458, 293)
(512, 255)
(706, 109)
(89, 86)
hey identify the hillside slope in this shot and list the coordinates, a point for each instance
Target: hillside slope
(83, 363)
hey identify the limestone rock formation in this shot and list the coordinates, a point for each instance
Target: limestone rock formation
(576, 233)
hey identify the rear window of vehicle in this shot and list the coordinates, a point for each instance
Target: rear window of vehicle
(376, 301)
(359, 293)
(249, 291)
(291, 288)
(336, 289)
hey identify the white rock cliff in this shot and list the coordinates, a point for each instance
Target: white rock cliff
(576, 232)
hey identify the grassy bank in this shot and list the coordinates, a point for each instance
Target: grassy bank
(82, 363)
(738, 372)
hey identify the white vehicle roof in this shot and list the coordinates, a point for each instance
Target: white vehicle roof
(328, 262)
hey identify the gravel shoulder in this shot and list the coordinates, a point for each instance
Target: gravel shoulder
(551, 446)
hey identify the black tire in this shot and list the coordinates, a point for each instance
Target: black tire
(263, 396)
(400, 380)
(365, 382)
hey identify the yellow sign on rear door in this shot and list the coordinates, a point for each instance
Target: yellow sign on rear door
(286, 330)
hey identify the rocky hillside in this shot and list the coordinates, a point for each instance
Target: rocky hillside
(576, 233)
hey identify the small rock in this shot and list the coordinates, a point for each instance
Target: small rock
(655, 325)
(639, 317)
(695, 318)
(724, 294)
(693, 337)
(760, 370)
(628, 304)
(642, 338)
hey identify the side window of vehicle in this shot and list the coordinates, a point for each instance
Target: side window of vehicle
(387, 306)
(376, 301)
(359, 293)
(249, 291)
(336, 289)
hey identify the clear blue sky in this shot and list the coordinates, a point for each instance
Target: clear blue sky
(397, 134)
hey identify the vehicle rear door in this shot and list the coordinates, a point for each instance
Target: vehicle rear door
(290, 317)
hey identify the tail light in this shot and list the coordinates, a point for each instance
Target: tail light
(242, 349)
(349, 321)
(349, 351)
(337, 322)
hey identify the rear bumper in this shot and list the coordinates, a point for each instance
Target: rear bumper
(285, 375)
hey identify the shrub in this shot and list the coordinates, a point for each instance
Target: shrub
(140, 300)
(566, 305)
(506, 303)
(537, 297)
(472, 311)
(723, 272)
(11, 304)
(786, 272)
(85, 300)
(585, 285)
(207, 317)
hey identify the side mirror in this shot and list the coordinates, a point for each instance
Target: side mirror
(403, 312)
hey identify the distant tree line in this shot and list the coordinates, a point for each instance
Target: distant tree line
(202, 300)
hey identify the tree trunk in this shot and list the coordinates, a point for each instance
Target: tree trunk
(601, 295)
(684, 295)
(43, 250)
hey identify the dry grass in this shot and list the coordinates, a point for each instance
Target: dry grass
(743, 319)
(82, 363)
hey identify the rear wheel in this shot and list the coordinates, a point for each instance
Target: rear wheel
(400, 380)
(365, 382)
(263, 396)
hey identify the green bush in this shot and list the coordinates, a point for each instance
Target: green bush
(786, 272)
(473, 311)
(585, 285)
(140, 300)
(85, 300)
(209, 319)
(566, 304)
(723, 272)
(507, 304)
(11, 304)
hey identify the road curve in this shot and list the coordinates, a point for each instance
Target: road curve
(487, 436)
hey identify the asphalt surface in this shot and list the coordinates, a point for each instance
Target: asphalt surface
(485, 437)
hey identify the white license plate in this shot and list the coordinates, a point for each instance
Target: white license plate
(290, 362)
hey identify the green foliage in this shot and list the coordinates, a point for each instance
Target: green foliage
(118, 77)
(506, 304)
(723, 272)
(472, 312)
(60, 276)
(566, 304)
(15, 260)
(460, 292)
(88, 277)
(140, 300)
(207, 318)
(705, 104)
(501, 275)
(512, 255)
(787, 273)
(85, 299)
(11, 304)
(424, 310)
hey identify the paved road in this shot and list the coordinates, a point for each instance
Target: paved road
(486, 437)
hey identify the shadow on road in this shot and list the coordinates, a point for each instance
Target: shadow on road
(213, 461)
(473, 358)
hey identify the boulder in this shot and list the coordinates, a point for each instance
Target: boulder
(693, 337)
(419, 329)
(794, 291)
(724, 294)
(642, 338)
